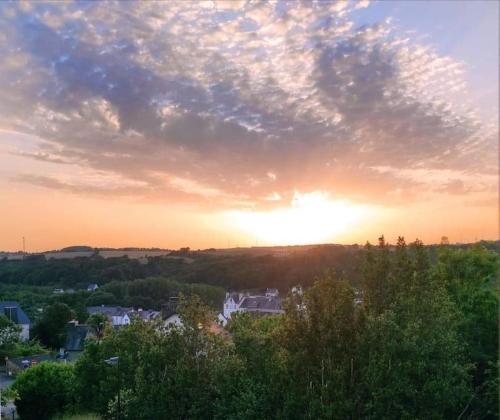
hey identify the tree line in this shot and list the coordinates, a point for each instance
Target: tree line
(416, 339)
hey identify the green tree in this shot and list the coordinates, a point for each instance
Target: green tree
(470, 277)
(414, 364)
(99, 383)
(249, 377)
(45, 390)
(9, 336)
(178, 364)
(160, 370)
(99, 325)
(376, 279)
(50, 328)
(11, 344)
(319, 339)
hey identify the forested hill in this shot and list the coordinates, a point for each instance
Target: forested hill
(234, 271)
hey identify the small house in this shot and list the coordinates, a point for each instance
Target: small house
(92, 287)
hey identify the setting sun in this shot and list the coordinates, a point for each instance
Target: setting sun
(310, 218)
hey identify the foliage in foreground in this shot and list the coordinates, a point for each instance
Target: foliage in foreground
(422, 345)
(11, 344)
(45, 390)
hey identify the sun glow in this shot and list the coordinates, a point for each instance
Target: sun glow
(311, 218)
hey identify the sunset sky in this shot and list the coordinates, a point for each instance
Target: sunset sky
(225, 123)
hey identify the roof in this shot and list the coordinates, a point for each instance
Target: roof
(14, 312)
(261, 303)
(146, 315)
(75, 337)
(168, 312)
(109, 310)
(235, 297)
(119, 311)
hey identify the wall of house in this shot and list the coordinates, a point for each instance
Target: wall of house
(229, 307)
(25, 332)
(120, 320)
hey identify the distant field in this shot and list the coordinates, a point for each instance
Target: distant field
(60, 255)
(132, 254)
(104, 253)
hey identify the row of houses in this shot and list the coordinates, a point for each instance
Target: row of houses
(90, 288)
(266, 304)
(119, 316)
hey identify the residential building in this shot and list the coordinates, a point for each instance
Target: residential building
(12, 311)
(268, 304)
(145, 315)
(75, 336)
(169, 312)
(173, 320)
(117, 315)
(92, 287)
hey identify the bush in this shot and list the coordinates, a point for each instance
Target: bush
(45, 390)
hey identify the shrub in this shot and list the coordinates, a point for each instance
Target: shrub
(45, 390)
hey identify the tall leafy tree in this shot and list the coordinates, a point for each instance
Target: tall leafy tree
(98, 382)
(50, 328)
(376, 279)
(252, 387)
(470, 277)
(178, 364)
(319, 339)
(414, 365)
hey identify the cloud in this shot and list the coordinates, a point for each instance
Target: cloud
(42, 156)
(242, 103)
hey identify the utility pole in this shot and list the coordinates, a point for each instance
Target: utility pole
(24, 245)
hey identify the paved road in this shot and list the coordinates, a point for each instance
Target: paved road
(5, 380)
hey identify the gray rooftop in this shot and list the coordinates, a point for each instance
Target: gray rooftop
(75, 337)
(109, 310)
(261, 303)
(146, 315)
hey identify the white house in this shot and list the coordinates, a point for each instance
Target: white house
(268, 304)
(92, 287)
(231, 304)
(117, 315)
(173, 320)
(13, 312)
